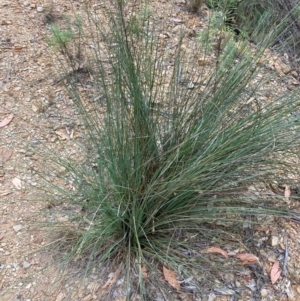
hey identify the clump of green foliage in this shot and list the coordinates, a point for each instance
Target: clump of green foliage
(244, 16)
(67, 40)
(59, 38)
(173, 155)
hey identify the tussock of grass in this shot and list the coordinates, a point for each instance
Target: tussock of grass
(175, 152)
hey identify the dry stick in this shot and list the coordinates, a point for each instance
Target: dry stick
(286, 255)
(7, 77)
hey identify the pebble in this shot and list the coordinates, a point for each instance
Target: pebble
(264, 293)
(40, 9)
(26, 265)
(17, 228)
(28, 286)
(274, 241)
(34, 142)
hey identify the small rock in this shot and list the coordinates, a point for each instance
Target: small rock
(26, 265)
(190, 85)
(28, 286)
(274, 241)
(34, 108)
(286, 68)
(212, 297)
(264, 293)
(34, 142)
(40, 9)
(17, 228)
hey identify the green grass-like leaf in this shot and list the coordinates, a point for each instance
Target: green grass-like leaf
(175, 152)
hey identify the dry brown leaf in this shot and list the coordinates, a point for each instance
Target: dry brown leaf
(111, 280)
(144, 272)
(7, 155)
(17, 49)
(247, 258)
(217, 250)
(275, 272)
(37, 237)
(89, 297)
(62, 135)
(287, 192)
(60, 297)
(204, 62)
(170, 277)
(3, 112)
(6, 120)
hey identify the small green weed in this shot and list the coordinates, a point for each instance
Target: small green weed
(59, 38)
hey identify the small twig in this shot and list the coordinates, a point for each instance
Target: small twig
(286, 256)
(8, 71)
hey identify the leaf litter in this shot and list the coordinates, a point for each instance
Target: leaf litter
(6, 120)
(112, 279)
(247, 258)
(217, 250)
(275, 272)
(170, 277)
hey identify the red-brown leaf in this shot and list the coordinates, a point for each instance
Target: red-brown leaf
(6, 120)
(170, 277)
(144, 272)
(275, 272)
(218, 251)
(247, 258)
(8, 155)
